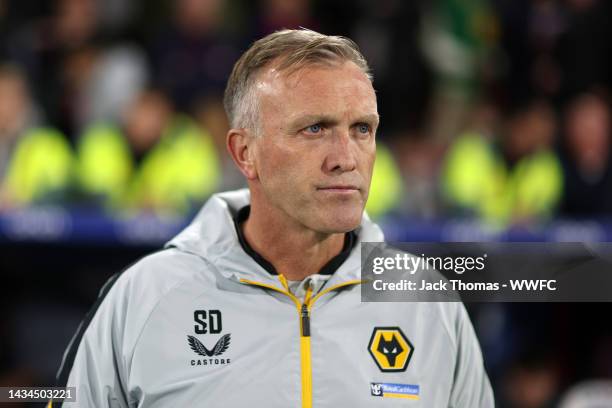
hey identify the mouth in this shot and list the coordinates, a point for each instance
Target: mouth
(339, 189)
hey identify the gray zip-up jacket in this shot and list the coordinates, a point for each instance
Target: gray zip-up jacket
(202, 324)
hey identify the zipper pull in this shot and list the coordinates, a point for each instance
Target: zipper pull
(305, 321)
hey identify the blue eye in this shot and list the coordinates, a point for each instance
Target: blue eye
(363, 128)
(314, 128)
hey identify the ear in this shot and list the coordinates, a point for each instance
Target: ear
(241, 146)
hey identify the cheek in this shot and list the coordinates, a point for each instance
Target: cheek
(279, 169)
(367, 158)
(295, 158)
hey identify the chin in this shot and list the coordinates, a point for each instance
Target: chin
(342, 222)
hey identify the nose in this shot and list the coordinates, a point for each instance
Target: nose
(341, 156)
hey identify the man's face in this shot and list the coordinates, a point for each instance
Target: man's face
(316, 150)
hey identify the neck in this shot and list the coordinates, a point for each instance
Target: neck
(295, 251)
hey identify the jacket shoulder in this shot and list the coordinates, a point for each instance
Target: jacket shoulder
(163, 269)
(127, 300)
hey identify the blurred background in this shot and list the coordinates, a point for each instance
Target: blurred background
(495, 127)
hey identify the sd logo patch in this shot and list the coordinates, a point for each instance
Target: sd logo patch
(390, 349)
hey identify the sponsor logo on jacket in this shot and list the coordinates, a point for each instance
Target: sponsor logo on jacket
(209, 322)
(393, 390)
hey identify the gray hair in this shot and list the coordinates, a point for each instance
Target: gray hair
(291, 50)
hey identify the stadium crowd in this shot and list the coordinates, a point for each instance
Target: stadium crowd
(493, 109)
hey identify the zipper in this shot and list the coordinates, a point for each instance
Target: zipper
(303, 309)
(305, 312)
(305, 321)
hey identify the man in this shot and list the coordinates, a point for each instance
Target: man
(35, 160)
(257, 303)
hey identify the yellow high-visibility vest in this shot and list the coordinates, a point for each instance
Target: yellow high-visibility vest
(476, 179)
(179, 172)
(40, 168)
(387, 187)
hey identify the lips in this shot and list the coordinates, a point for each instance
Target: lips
(339, 187)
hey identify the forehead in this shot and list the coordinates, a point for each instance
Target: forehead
(340, 88)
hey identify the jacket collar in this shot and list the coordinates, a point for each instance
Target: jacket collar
(329, 268)
(213, 237)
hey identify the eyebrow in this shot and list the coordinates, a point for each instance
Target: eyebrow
(372, 119)
(306, 120)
